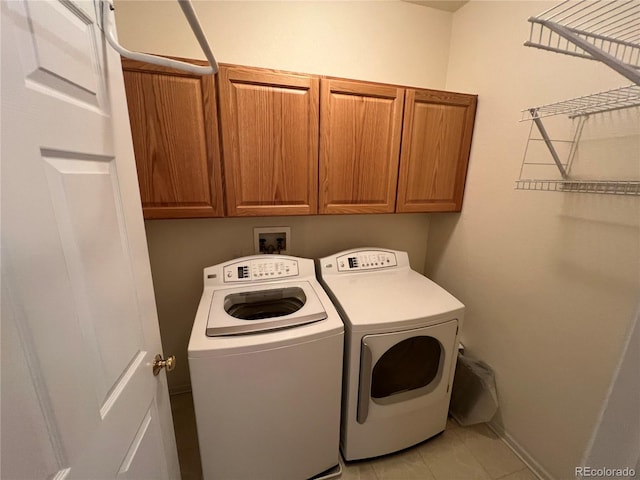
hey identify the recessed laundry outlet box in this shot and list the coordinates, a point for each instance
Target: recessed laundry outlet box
(270, 240)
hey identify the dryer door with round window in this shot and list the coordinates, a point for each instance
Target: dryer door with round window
(406, 370)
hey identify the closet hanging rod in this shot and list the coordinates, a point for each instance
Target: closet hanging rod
(192, 18)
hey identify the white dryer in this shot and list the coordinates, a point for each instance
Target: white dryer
(265, 358)
(401, 337)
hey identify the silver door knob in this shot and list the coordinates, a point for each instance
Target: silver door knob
(159, 364)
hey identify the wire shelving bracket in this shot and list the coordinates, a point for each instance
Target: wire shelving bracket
(604, 30)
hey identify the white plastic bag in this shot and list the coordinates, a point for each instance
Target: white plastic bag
(474, 398)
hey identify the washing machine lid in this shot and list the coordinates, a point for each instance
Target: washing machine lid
(264, 307)
(390, 298)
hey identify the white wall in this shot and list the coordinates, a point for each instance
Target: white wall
(393, 42)
(550, 280)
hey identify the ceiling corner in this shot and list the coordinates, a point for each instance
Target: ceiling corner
(446, 5)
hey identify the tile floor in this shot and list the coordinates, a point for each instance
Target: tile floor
(460, 453)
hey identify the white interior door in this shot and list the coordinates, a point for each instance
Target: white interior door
(79, 325)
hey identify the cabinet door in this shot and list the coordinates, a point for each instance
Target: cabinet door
(360, 127)
(269, 131)
(175, 140)
(436, 140)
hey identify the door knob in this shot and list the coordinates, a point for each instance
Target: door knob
(159, 364)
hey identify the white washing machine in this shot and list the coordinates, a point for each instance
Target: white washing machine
(401, 337)
(265, 357)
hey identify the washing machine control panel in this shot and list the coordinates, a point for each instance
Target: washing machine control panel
(260, 270)
(366, 260)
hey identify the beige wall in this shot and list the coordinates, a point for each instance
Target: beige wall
(550, 280)
(393, 42)
(382, 41)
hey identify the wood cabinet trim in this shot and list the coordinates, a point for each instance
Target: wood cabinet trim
(135, 65)
(266, 77)
(443, 98)
(362, 88)
(160, 212)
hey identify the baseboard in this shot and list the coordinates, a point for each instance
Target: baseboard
(177, 390)
(522, 454)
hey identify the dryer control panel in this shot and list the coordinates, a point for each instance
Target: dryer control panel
(366, 260)
(260, 269)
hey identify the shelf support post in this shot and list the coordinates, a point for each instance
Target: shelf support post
(547, 141)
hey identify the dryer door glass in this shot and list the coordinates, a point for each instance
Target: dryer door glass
(408, 365)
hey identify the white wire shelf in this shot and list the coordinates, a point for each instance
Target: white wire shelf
(622, 187)
(604, 30)
(616, 99)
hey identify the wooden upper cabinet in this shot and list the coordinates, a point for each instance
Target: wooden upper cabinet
(293, 144)
(436, 141)
(269, 125)
(175, 140)
(360, 129)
